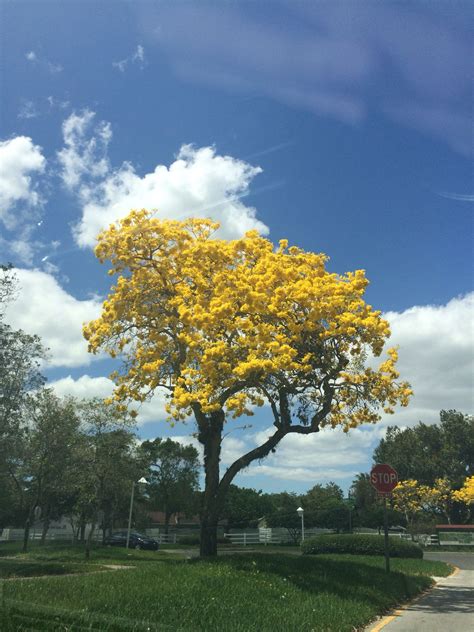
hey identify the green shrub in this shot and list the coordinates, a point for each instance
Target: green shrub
(360, 544)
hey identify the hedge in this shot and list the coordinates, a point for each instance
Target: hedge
(360, 544)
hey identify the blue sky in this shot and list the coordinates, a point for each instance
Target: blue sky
(357, 116)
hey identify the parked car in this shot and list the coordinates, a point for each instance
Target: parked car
(136, 541)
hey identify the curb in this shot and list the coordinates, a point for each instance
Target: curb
(399, 611)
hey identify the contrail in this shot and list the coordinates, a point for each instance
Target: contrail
(269, 150)
(459, 197)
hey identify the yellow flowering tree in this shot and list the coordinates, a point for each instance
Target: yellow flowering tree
(439, 498)
(466, 494)
(226, 326)
(410, 498)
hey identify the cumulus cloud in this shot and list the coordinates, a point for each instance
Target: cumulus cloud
(44, 308)
(436, 355)
(87, 386)
(327, 455)
(84, 387)
(20, 161)
(198, 182)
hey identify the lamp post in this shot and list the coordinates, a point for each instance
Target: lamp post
(300, 512)
(141, 481)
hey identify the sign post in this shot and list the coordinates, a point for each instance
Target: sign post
(384, 478)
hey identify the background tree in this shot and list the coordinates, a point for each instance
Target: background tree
(427, 452)
(440, 499)
(173, 476)
(224, 326)
(410, 498)
(284, 514)
(368, 508)
(106, 467)
(466, 492)
(243, 507)
(20, 360)
(325, 507)
(465, 495)
(46, 455)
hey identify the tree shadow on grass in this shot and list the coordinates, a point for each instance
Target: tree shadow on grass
(347, 579)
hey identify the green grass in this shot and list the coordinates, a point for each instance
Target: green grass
(32, 568)
(60, 552)
(236, 593)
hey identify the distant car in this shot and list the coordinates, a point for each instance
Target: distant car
(136, 541)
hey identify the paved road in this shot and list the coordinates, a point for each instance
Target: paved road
(464, 561)
(449, 607)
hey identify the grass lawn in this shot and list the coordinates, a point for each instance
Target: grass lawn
(234, 593)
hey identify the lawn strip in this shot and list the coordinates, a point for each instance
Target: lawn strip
(239, 593)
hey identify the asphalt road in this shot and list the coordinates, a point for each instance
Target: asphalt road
(464, 561)
(449, 607)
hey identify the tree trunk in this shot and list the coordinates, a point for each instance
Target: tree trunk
(82, 529)
(87, 548)
(45, 530)
(167, 521)
(210, 436)
(26, 533)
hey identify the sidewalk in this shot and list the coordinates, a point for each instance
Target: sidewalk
(447, 606)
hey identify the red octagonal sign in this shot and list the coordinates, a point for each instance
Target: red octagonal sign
(384, 478)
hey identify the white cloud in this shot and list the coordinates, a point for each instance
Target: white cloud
(85, 150)
(198, 182)
(27, 110)
(137, 57)
(51, 67)
(84, 387)
(329, 454)
(310, 476)
(20, 159)
(54, 102)
(44, 308)
(436, 356)
(87, 386)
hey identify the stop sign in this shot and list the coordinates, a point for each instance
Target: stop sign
(384, 478)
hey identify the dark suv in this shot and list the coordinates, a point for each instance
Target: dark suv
(136, 541)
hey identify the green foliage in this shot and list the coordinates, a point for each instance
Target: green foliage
(244, 506)
(324, 507)
(427, 452)
(360, 545)
(173, 474)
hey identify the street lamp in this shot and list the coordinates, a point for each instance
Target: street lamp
(300, 512)
(142, 481)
